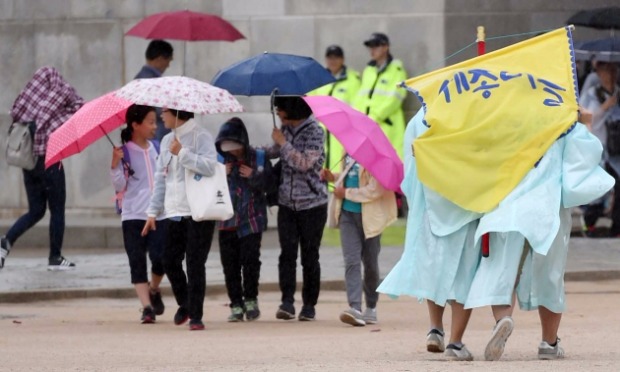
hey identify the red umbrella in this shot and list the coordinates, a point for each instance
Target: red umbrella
(185, 25)
(91, 122)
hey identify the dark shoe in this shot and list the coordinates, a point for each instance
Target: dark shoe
(156, 301)
(5, 248)
(148, 315)
(181, 316)
(286, 312)
(307, 314)
(236, 314)
(60, 264)
(251, 310)
(196, 325)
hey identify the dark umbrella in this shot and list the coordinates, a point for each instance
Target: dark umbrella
(600, 18)
(273, 73)
(606, 50)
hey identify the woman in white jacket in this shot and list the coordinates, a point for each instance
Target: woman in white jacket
(132, 170)
(188, 146)
(363, 210)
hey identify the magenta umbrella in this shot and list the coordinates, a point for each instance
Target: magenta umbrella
(92, 121)
(361, 137)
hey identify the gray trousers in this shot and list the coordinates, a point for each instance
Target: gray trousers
(357, 250)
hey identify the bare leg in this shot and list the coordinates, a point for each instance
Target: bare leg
(435, 313)
(142, 290)
(550, 323)
(501, 311)
(155, 281)
(460, 318)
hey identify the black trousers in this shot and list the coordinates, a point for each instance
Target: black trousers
(241, 263)
(191, 240)
(137, 247)
(300, 229)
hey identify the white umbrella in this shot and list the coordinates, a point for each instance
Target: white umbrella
(180, 93)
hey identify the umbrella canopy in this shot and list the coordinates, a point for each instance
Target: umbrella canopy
(600, 18)
(185, 25)
(606, 50)
(361, 137)
(180, 93)
(261, 74)
(91, 122)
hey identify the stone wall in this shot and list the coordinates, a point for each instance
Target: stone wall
(85, 40)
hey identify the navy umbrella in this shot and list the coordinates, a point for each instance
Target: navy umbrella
(606, 50)
(600, 18)
(273, 73)
(261, 74)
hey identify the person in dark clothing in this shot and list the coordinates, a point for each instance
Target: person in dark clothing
(302, 203)
(158, 56)
(240, 237)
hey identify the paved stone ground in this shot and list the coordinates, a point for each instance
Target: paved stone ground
(103, 334)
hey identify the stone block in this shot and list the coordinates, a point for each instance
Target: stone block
(156, 6)
(244, 8)
(7, 9)
(395, 6)
(88, 54)
(291, 35)
(42, 9)
(316, 7)
(109, 9)
(17, 55)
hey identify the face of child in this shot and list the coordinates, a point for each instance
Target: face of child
(237, 153)
(170, 121)
(147, 128)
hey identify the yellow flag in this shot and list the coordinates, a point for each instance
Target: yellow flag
(493, 117)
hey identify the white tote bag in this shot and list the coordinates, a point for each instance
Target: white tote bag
(208, 197)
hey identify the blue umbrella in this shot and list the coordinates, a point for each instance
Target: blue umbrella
(606, 50)
(260, 75)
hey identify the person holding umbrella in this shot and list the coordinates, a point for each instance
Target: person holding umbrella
(188, 146)
(132, 169)
(159, 54)
(302, 201)
(364, 209)
(602, 100)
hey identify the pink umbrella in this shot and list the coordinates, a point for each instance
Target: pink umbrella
(91, 122)
(361, 137)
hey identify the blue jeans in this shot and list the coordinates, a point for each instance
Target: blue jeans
(44, 188)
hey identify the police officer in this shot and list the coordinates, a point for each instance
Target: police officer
(345, 89)
(379, 95)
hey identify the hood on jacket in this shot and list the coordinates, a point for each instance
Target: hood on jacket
(232, 130)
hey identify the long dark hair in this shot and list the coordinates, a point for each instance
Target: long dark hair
(135, 114)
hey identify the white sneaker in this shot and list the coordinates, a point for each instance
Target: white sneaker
(501, 332)
(461, 353)
(370, 315)
(434, 341)
(353, 317)
(5, 247)
(548, 352)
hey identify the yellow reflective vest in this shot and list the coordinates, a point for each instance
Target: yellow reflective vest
(345, 89)
(381, 98)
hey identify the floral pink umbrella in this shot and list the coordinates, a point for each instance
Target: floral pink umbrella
(92, 121)
(180, 93)
(361, 137)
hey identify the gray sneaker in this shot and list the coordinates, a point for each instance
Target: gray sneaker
(5, 248)
(353, 317)
(548, 352)
(434, 341)
(461, 353)
(370, 315)
(501, 332)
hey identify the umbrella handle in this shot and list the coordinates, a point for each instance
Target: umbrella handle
(271, 102)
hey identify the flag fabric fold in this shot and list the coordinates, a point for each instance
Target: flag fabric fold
(491, 118)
